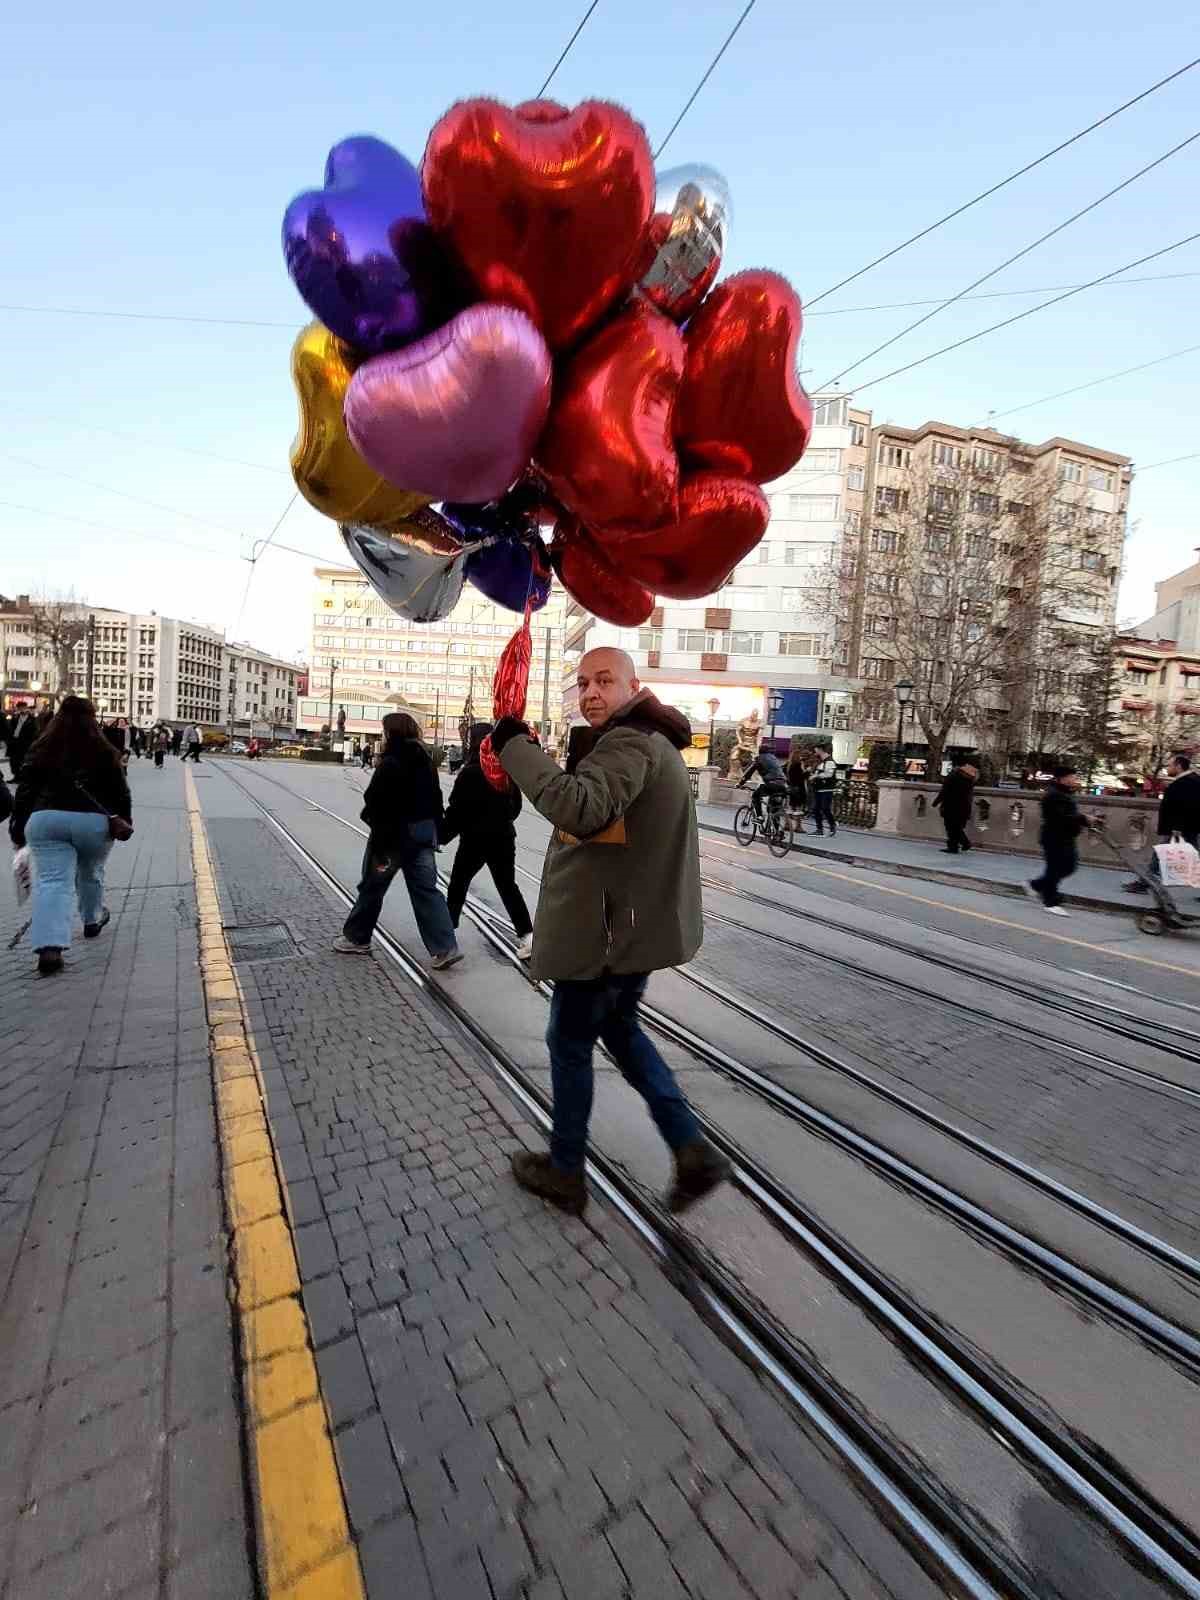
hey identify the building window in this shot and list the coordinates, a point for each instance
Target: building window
(813, 507)
(856, 477)
(1070, 472)
(805, 555)
(942, 499)
(890, 500)
(1136, 675)
(649, 639)
(885, 541)
(745, 643)
(821, 461)
(894, 455)
(985, 460)
(883, 627)
(830, 413)
(800, 644)
(980, 547)
(947, 455)
(986, 505)
(933, 585)
(883, 583)
(709, 640)
(1091, 560)
(858, 433)
(1099, 479)
(878, 667)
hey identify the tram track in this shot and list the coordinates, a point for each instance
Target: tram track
(924, 1508)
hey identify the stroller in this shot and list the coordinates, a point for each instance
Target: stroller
(1167, 915)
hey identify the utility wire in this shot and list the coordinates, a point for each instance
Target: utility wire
(104, 488)
(149, 438)
(583, 22)
(147, 316)
(993, 271)
(256, 551)
(129, 533)
(1108, 377)
(1004, 182)
(1137, 471)
(1021, 315)
(712, 66)
(992, 294)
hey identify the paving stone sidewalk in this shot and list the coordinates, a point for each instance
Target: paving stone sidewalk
(521, 1404)
(120, 1447)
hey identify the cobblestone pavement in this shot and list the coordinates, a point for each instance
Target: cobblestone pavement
(521, 1404)
(120, 1451)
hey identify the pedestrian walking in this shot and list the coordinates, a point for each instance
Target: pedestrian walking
(118, 734)
(194, 740)
(955, 799)
(22, 731)
(368, 758)
(402, 807)
(71, 793)
(177, 741)
(823, 784)
(481, 818)
(160, 743)
(797, 782)
(768, 768)
(1062, 823)
(1178, 812)
(620, 898)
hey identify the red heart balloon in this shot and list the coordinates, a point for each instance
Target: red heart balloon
(586, 572)
(720, 521)
(607, 451)
(547, 208)
(741, 408)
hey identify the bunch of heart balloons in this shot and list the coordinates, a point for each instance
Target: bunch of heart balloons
(524, 338)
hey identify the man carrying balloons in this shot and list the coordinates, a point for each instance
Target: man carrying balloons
(620, 898)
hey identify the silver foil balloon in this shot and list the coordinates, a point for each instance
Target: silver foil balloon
(690, 227)
(416, 566)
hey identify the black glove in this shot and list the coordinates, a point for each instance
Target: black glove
(509, 728)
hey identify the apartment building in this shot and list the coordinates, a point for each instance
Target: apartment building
(368, 661)
(772, 627)
(1157, 674)
(260, 693)
(975, 541)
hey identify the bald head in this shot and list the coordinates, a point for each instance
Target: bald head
(606, 680)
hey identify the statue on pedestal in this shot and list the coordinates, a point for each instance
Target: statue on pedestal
(749, 732)
(341, 722)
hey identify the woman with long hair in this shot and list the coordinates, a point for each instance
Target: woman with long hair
(403, 808)
(482, 819)
(71, 781)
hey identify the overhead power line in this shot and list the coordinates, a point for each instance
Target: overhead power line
(146, 316)
(1026, 250)
(1195, 456)
(128, 533)
(712, 66)
(149, 438)
(992, 294)
(104, 488)
(1004, 182)
(1109, 377)
(583, 22)
(1021, 315)
(257, 550)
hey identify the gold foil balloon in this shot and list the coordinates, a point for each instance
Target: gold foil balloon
(416, 566)
(690, 233)
(329, 472)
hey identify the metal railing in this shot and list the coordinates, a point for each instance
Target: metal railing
(856, 804)
(694, 781)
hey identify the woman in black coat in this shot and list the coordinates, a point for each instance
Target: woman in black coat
(482, 819)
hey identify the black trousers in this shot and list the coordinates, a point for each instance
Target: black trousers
(499, 854)
(822, 809)
(956, 832)
(1061, 861)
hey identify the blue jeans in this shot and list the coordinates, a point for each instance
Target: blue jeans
(582, 1011)
(69, 849)
(822, 810)
(414, 858)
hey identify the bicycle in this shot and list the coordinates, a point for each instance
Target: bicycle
(776, 827)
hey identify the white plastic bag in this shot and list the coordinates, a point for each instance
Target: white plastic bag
(1178, 864)
(23, 874)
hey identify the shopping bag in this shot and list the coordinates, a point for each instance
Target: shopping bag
(23, 874)
(1178, 864)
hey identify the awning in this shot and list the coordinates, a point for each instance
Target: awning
(1141, 666)
(1190, 671)
(1135, 705)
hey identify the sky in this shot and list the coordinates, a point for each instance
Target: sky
(151, 160)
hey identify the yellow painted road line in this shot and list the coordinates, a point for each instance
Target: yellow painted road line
(305, 1549)
(976, 916)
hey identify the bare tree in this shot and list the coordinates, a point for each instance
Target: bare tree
(58, 624)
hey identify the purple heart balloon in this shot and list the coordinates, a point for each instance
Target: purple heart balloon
(456, 415)
(362, 254)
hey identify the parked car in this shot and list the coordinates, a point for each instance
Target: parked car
(238, 747)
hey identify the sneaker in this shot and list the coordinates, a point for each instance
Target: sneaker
(525, 947)
(539, 1175)
(347, 947)
(1056, 911)
(49, 960)
(449, 958)
(1133, 886)
(93, 930)
(699, 1169)
(1031, 893)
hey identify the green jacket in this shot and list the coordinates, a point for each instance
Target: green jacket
(621, 881)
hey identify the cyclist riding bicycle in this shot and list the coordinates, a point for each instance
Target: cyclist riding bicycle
(774, 781)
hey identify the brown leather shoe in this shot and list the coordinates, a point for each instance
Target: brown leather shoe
(539, 1175)
(699, 1169)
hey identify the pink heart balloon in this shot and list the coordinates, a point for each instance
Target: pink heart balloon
(455, 415)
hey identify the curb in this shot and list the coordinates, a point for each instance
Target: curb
(302, 1534)
(953, 880)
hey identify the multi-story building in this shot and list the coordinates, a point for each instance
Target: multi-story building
(1157, 674)
(368, 661)
(772, 627)
(28, 670)
(260, 693)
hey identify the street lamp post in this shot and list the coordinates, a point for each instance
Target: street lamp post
(713, 707)
(774, 707)
(333, 667)
(904, 694)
